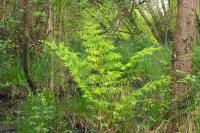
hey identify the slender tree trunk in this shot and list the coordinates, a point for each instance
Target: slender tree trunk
(153, 29)
(50, 28)
(1, 9)
(163, 6)
(1, 18)
(24, 40)
(153, 14)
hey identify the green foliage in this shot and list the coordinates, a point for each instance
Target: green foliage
(13, 75)
(196, 85)
(5, 58)
(9, 74)
(154, 67)
(149, 101)
(37, 115)
(8, 39)
(101, 75)
(111, 54)
(39, 8)
(197, 110)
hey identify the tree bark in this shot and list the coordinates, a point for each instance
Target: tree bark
(24, 40)
(1, 9)
(182, 46)
(182, 57)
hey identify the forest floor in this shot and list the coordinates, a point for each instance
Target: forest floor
(7, 106)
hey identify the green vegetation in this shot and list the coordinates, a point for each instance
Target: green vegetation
(95, 67)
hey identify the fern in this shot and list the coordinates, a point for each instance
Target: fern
(100, 74)
(77, 67)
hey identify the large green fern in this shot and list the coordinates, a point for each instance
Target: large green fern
(100, 74)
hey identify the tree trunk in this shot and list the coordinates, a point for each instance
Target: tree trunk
(2, 18)
(24, 40)
(182, 47)
(1, 9)
(182, 54)
(153, 29)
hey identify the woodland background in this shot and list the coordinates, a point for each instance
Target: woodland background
(102, 66)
